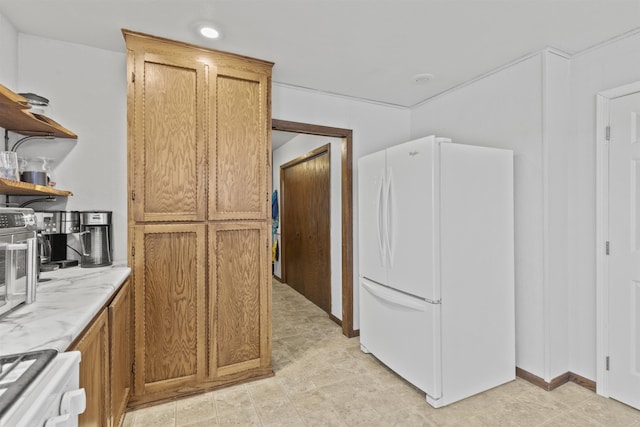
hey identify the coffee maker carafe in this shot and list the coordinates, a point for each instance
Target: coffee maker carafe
(95, 238)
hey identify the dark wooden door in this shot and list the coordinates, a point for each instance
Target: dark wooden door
(306, 232)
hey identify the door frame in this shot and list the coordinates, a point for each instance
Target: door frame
(347, 207)
(603, 101)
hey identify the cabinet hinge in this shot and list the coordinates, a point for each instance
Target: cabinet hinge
(133, 368)
(133, 77)
(607, 363)
(133, 251)
(606, 248)
(133, 195)
(608, 133)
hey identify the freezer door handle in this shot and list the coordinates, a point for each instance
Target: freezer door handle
(395, 297)
(389, 219)
(380, 221)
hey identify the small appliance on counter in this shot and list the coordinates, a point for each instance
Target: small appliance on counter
(18, 258)
(95, 238)
(55, 226)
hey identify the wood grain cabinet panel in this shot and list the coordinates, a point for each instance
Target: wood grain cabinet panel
(120, 350)
(169, 297)
(240, 324)
(240, 155)
(94, 372)
(169, 158)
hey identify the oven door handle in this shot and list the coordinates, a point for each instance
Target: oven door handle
(18, 246)
(11, 267)
(31, 274)
(32, 269)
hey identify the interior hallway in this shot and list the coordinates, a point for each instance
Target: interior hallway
(323, 379)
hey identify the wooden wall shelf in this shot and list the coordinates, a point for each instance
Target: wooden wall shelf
(15, 117)
(19, 188)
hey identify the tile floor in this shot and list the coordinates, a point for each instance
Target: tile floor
(323, 379)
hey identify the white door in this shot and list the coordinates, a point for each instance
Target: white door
(624, 255)
(371, 186)
(410, 220)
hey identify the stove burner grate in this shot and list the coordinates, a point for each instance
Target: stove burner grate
(18, 371)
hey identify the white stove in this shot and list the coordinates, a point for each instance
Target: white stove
(41, 388)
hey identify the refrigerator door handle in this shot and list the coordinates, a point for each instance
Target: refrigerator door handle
(395, 297)
(389, 221)
(380, 220)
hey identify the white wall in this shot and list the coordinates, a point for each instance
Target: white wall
(606, 67)
(293, 149)
(556, 134)
(374, 126)
(87, 91)
(9, 54)
(504, 110)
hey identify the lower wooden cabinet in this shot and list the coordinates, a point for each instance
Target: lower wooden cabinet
(105, 368)
(94, 372)
(169, 287)
(202, 307)
(120, 340)
(239, 296)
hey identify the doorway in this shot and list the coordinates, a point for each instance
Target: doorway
(346, 189)
(618, 242)
(305, 184)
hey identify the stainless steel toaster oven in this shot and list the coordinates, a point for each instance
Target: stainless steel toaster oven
(18, 258)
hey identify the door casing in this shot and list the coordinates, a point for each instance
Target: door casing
(347, 208)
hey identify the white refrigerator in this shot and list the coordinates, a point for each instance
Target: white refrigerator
(436, 265)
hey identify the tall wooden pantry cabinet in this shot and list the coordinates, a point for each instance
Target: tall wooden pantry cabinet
(199, 150)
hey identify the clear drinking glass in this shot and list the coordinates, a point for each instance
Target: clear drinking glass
(9, 165)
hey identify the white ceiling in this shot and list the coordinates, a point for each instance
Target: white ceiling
(368, 49)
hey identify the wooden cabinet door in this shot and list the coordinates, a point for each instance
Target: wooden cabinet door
(94, 372)
(120, 351)
(239, 160)
(169, 138)
(240, 297)
(169, 297)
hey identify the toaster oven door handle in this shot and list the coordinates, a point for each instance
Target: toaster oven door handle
(30, 247)
(32, 269)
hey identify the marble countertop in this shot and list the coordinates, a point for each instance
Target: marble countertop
(64, 306)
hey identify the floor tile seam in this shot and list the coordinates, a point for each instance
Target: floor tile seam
(572, 404)
(522, 397)
(255, 407)
(557, 416)
(215, 402)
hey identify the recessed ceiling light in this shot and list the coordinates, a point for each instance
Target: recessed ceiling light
(209, 32)
(423, 78)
